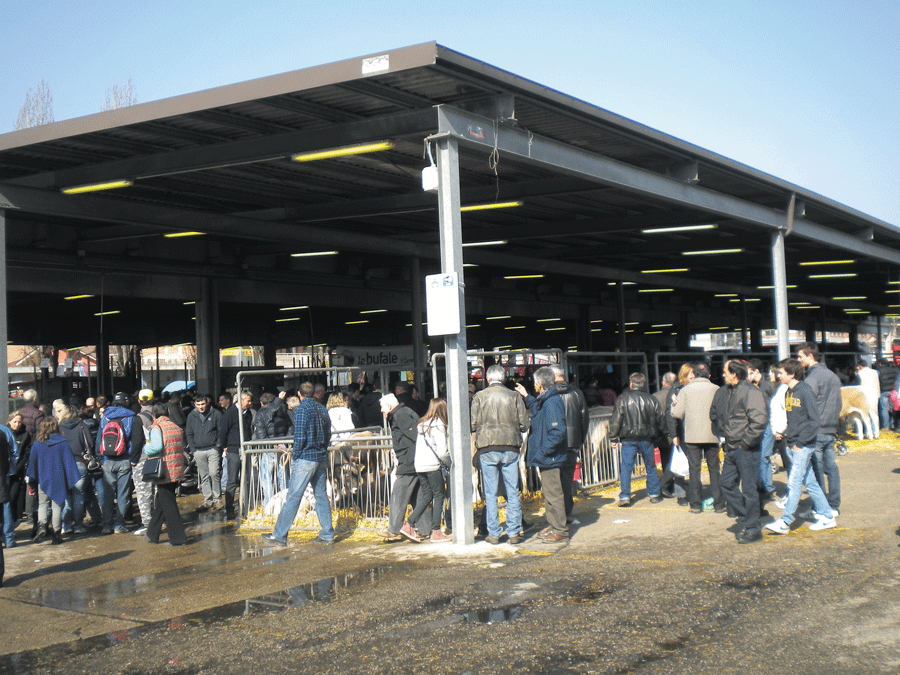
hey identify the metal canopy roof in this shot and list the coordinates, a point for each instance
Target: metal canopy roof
(219, 161)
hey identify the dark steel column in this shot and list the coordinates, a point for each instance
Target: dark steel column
(418, 311)
(459, 436)
(4, 326)
(207, 327)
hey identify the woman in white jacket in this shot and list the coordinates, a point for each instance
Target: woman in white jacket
(432, 458)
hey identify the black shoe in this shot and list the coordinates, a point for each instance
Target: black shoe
(682, 501)
(656, 500)
(748, 536)
(40, 535)
(56, 538)
(526, 526)
(668, 494)
(272, 539)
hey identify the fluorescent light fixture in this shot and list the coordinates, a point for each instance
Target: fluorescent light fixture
(596, 320)
(624, 283)
(652, 332)
(632, 323)
(892, 291)
(546, 320)
(655, 290)
(597, 330)
(827, 262)
(893, 305)
(573, 348)
(352, 323)
(174, 235)
(313, 254)
(373, 311)
(504, 347)
(810, 307)
(718, 328)
(97, 187)
(559, 328)
(797, 304)
(473, 325)
(487, 207)
(715, 251)
(78, 297)
(680, 228)
(342, 151)
(894, 282)
(292, 318)
(492, 318)
(849, 297)
(288, 309)
(661, 325)
(832, 276)
(107, 313)
(525, 276)
(192, 302)
(745, 300)
(513, 327)
(726, 295)
(497, 242)
(765, 288)
(469, 265)
(674, 269)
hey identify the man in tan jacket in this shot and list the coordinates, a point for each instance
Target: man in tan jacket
(692, 406)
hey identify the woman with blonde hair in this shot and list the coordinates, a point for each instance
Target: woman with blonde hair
(432, 460)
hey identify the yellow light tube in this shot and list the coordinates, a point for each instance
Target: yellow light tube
(96, 187)
(676, 269)
(342, 152)
(827, 262)
(173, 235)
(488, 207)
(78, 297)
(525, 276)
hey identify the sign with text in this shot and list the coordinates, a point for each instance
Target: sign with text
(442, 303)
(373, 358)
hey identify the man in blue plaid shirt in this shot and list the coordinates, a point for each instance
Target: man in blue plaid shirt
(312, 434)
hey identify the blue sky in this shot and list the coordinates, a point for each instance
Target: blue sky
(804, 90)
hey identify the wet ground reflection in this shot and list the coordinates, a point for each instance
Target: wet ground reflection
(323, 590)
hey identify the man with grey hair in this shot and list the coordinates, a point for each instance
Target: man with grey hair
(548, 450)
(31, 412)
(637, 420)
(499, 419)
(236, 416)
(577, 421)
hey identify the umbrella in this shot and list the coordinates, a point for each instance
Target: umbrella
(177, 385)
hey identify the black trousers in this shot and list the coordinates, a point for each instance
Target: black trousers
(430, 502)
(695, 454)
(165, 510)
(567, 478)
(739, 477)
(232, 479)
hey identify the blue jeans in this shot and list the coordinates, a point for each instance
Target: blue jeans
(116, 477)
(765, 459)
(272, 481)
(493, 465)
(74, 510)
(885, 409)
(630, 449)
(801, 475)
(304, 472)
(824, 463)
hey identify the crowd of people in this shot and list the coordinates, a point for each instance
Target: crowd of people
(72, 467)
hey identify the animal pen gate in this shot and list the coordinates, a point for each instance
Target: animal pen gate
(359, 467)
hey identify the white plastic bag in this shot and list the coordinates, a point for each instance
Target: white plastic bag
(679, 464)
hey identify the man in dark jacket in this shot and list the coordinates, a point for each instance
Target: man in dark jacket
(117, 468)
(176, 416)
(272, 421)
(4, 490)
(403, 392)
(235, 417)
(637, 420)
(202, 436)
(403, 422)
(827, 388)
(370, 407)
(31, 412)
(577, 420)
(739, 415)
(499, 419)
(888, 375)
(548, 450)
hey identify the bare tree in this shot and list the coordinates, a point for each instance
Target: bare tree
(37, 109)
(120, 97)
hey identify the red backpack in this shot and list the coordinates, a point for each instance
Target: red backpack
(112, 440)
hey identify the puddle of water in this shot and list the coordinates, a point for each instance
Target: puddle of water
(491, 616)
(323, 590)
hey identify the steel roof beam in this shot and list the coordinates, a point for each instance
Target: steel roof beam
(477, 131)
(422, 121)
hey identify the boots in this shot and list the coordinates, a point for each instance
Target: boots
(40, 535)
(56, 538)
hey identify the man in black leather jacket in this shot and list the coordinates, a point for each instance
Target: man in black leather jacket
(637, 420)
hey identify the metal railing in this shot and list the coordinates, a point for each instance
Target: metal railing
(504, 358)
(359, 484)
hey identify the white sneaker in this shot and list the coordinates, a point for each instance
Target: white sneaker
(781, 503)
(778, 527)
(835, 513)
(823, 523)
(141, 530)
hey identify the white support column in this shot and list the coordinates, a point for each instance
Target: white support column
(779, 282)
(4, 326)
(455, 345)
